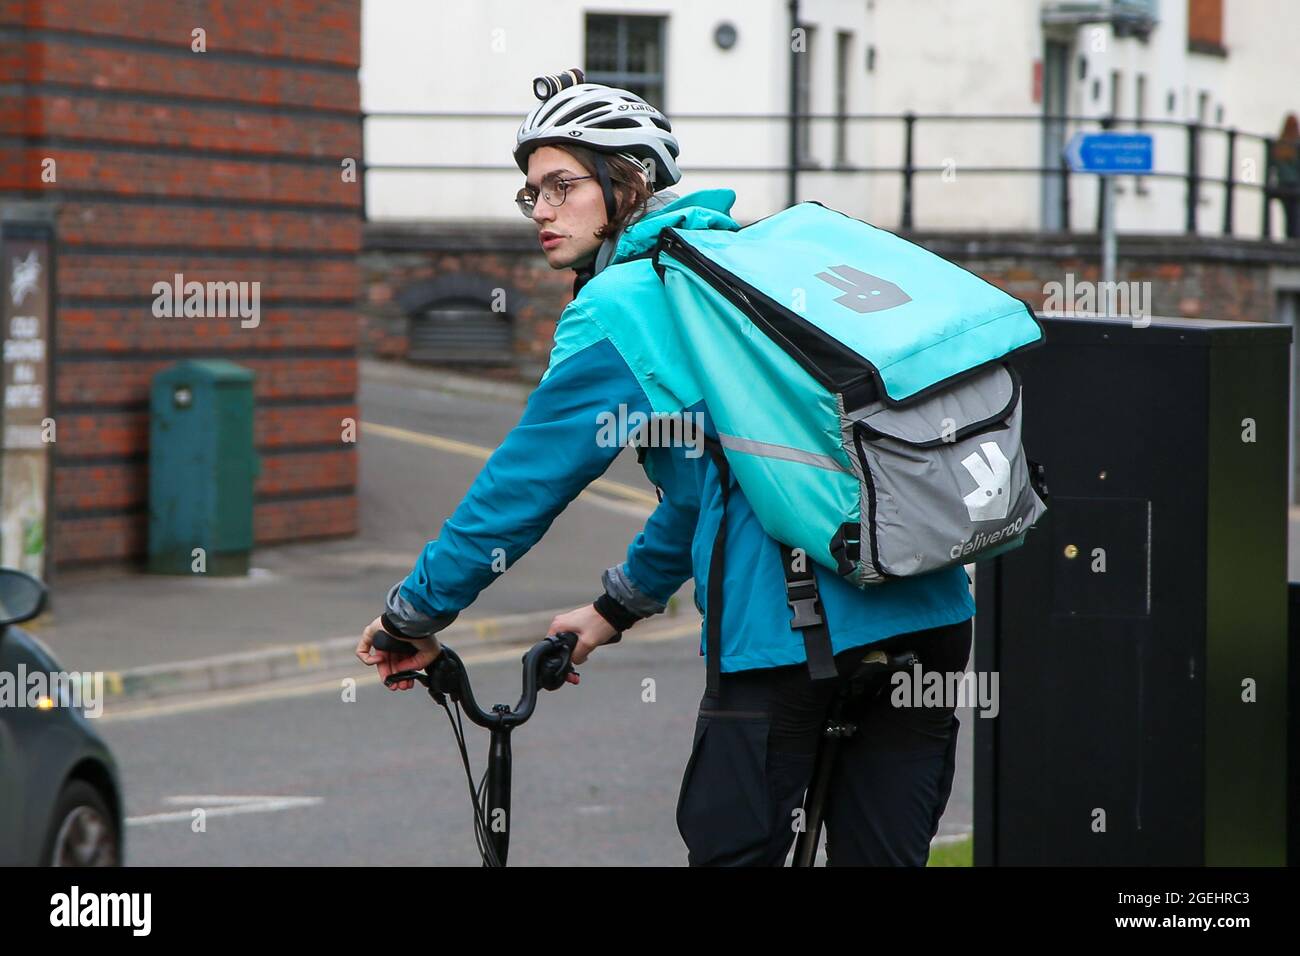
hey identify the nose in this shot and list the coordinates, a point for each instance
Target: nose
(543, 212)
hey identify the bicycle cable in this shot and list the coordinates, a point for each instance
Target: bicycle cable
(480, 833)
(476, 794)
(547, 674)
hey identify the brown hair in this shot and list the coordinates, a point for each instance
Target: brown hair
(631, 191)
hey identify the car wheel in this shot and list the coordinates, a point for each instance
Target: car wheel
(83, 832)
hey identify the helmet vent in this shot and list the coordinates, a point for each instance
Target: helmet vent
(544, 118)
(579, 113)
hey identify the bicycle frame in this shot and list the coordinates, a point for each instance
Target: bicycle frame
(875, 664)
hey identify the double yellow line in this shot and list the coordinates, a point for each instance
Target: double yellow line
(614, 489)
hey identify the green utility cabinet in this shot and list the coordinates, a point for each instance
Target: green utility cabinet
(202, 468)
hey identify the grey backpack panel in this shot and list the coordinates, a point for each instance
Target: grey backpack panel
(943, 478)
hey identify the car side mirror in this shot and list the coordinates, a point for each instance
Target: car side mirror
(22, 597)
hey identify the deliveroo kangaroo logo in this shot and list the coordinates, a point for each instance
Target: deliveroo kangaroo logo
(26, 273)
(989, 501)
(864, 292)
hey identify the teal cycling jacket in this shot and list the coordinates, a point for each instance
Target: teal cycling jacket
(613, 359)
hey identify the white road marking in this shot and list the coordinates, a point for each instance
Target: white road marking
(221, 806)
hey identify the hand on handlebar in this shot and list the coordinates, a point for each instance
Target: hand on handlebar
(592, 630)
(426, 651)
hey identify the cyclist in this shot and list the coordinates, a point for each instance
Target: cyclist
(599, 208)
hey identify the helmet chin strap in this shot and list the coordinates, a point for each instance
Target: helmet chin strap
(585, 272)
(606, 187)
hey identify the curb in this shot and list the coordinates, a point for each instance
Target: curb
(229, 671)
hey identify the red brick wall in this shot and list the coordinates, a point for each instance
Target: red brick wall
(223, 165)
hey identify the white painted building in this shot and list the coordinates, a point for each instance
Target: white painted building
(1230, 63)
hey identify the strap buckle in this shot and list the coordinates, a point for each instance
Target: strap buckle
(805, 608)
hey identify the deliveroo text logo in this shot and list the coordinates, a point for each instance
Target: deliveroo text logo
(864, 292)
(989, 501)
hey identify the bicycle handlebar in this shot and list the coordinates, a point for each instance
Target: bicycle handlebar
(546, 665)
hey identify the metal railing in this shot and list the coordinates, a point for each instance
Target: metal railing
(1191, 172)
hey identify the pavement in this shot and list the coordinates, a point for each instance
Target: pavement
(452, 383)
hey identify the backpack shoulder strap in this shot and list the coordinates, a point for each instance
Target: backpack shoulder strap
(717, 566)
(800, 591)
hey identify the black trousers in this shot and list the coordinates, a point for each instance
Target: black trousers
(752, 760)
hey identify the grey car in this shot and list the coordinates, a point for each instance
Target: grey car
(60, 795)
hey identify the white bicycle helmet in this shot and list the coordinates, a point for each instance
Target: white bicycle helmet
(605, 119)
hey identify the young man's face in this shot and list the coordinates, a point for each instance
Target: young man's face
(567, 232)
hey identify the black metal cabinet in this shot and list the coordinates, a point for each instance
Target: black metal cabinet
(1144, 605)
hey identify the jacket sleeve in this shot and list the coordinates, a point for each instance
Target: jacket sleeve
(558, 448)
(659, 557)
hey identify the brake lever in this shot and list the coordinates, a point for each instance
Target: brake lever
(398, 676)
(395, 645)
(555, 668)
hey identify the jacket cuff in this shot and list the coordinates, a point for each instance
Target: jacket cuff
(410, 620)
(618, 617)
(621, 588)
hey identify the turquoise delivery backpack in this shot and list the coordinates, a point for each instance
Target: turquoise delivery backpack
(862, 393)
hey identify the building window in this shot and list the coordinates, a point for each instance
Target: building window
(843, 46)
(1205, 27)
(628, 52)
(803, 96)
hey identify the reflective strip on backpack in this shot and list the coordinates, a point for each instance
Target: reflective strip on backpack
(764, 449)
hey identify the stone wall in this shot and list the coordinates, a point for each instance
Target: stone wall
(404, 265)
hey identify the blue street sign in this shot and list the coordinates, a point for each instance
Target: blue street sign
(1131, 153)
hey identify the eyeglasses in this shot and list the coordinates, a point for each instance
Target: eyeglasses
(554, 191)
